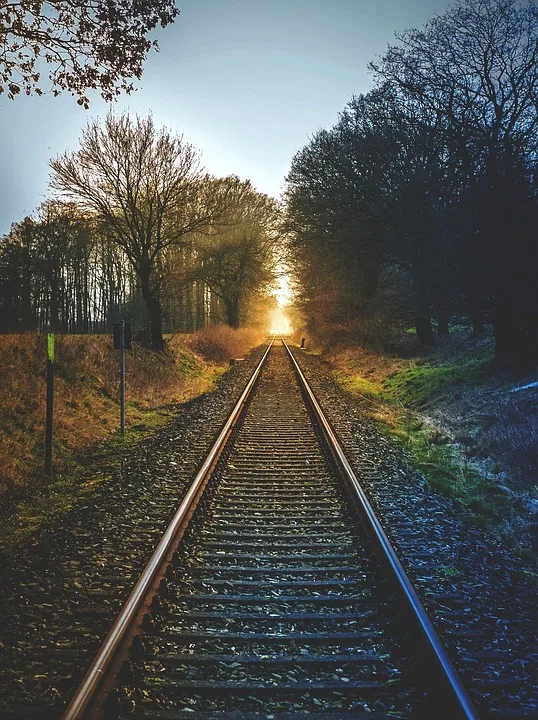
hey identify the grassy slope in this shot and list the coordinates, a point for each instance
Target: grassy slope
(457, 421)
(87, 444)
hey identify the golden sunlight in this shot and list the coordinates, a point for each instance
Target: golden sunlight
(283, 292)
(279, 322)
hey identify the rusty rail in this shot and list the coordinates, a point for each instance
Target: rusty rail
(446, 671)
(91, 683)
(95, 682)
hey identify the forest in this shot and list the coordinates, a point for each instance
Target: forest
(137, 230)
(420, 205)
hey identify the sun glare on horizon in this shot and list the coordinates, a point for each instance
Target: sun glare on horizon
(283, 292)
(279, 322)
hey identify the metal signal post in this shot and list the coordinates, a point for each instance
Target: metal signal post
(122, 342)
(50, 404)
(122, 380)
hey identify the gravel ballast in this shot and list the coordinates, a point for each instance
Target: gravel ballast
(60, 596)
(474, 589)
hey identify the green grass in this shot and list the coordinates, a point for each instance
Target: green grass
(188, 364)
(77, 476)
(361, 386)
(394, 399)
(448, 472)
(419, 381)
(423, 381)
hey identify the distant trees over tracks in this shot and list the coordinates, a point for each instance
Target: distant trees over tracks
(139, 230)
(421, 201)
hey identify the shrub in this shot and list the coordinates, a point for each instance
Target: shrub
(219, 343)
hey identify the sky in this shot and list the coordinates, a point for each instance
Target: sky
(248, 82)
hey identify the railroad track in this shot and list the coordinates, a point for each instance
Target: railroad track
(274, 592)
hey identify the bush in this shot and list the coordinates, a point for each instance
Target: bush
(219, 343)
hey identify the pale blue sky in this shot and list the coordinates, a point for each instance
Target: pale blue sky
(246, 81)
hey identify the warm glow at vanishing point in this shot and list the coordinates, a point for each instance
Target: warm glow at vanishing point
(279, 323)
(283, 293)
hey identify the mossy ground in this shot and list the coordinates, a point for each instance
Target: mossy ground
(401, 395)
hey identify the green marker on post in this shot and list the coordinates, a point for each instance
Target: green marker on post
(50, 347)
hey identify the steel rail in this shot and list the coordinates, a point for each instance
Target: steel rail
(95, 675)
(447, 671)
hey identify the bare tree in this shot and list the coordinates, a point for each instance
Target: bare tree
(95, 44)
(148, 188)
(476, 68)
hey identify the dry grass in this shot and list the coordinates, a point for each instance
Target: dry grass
(371, 366)
(86, 397)
(219, 343)
(510, 435)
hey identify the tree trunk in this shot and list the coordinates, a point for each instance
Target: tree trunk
(189, 321)
(200, 304)
(85, 318)
(215, 313)
(477, 315)
(424, 330)
(153, 307)
(503, 328)
(54, 320)
(423, 323)
(26, 287)
(477, 321)
(442, 321)
(232, 312)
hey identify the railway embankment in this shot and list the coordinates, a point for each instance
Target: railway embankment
(87, 446)
(468, 424)
(57, 582)
(479, 590)
(61, 592)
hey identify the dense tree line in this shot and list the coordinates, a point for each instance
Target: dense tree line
(59, 271)
(138, 231)
(238, 257)
(422, 199)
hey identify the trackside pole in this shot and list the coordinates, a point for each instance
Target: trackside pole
(122, 377)
(122, 342)
(50, 404)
